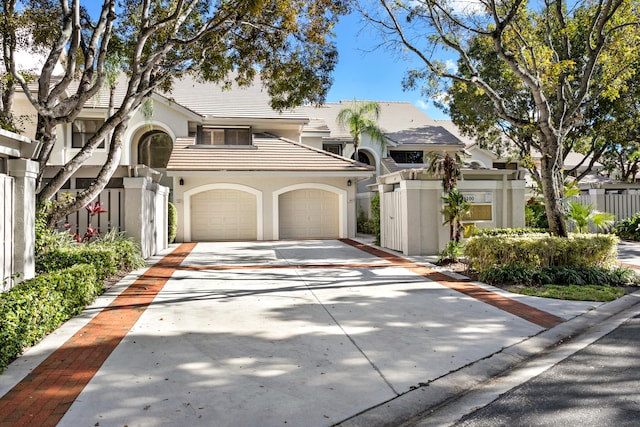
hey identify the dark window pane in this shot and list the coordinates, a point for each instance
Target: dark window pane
(83, 130)
(407, 156)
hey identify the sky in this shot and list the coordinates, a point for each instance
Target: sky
(365, 73)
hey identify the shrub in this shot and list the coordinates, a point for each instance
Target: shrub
(128, 253)
(364, 225)
(518, 231)
(628, 228)
(375, 216)
(540, 250)
(103, 259)
(535, 215)
(112, 253)
(33, 308)
(172, 222)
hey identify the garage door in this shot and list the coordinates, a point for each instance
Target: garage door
(309, 214)
(223, 215)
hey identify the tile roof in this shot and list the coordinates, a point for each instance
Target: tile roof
(211, 100)
(401, 121)
(268, 153)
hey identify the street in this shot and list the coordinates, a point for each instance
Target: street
(597, 386)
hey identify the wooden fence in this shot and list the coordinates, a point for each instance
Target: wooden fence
(391, 222)
(621, 205)
(112, 200)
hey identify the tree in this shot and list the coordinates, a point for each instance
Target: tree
(455, 210)
(445, 166)
(287, 43)
(564, 57)
(361, 118)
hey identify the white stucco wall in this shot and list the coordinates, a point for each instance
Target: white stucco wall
(269, 186)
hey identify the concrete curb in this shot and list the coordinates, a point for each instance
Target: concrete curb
(427, 397)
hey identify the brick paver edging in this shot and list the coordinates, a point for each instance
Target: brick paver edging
(524, 311)
(46, 393)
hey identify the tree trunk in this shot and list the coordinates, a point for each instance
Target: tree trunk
(551, 180)
(87, 196)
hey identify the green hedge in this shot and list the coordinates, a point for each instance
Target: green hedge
(109, 258)
(104, 259)
(35, 307)
(537, 251)
(172, 222)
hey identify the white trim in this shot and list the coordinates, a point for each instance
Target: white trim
(376, 157)
(223, 186)
(342, 203)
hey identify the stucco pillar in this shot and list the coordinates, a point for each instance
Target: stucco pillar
(139, 221)
(518, 202)
(162, 216)
(24, 172)
(597, 198)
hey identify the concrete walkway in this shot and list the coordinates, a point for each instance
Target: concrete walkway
(309, 333)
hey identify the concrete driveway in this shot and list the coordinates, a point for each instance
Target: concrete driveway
(306, 333)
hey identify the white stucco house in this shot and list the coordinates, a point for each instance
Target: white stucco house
(239, 170)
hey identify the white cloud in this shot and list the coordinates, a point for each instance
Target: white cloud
(467, 7)
(451, 65)
(422, 104)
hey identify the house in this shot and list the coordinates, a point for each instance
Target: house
(239, 170)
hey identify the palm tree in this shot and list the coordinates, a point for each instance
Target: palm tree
(583, 215)
(455, 210)
(447, 167)
(361, 118)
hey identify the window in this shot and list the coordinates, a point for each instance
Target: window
(230, 136)
(83, 130)
(3, 165)
(407, 156)
(154, 149)
(333, 148)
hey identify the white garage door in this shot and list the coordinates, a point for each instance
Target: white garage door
(223, 215)
(309, 214)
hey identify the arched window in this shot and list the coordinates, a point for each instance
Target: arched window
(154, 149)
(363, 157)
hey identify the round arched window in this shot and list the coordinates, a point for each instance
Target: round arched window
(363, 157)
(154, 149)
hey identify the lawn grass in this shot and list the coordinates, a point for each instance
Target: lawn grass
(572, 292)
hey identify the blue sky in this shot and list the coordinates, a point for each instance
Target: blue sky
(365, 73)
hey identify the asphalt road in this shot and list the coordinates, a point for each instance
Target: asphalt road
(597, 386)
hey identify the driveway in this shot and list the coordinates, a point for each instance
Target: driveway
(306, 333)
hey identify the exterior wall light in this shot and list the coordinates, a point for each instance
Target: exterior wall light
(181, 182)
(349, 183)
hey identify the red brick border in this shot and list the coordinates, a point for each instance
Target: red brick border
(524, 311)
(44, 396)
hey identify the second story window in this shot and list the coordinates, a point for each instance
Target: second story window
(83, 130)
(407, 156)
(224, 136)
(333, 148)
